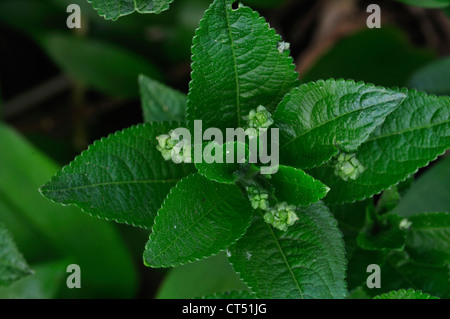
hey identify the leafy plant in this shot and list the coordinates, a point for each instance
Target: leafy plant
(302, 231)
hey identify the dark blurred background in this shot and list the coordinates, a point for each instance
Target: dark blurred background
(63, 89)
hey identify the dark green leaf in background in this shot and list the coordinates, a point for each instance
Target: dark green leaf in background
(12, 264)
(428, 240)
(44, 230)
(161, 103)
(433, 77)
(104, 67)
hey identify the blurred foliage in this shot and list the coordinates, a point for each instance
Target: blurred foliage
(379, 56)
(433, 77)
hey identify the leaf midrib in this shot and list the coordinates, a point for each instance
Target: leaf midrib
(285, 259)
(238, 91)
(150, 181)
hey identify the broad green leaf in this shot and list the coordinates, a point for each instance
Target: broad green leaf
(122, 177)
(296, 187)
(429, 193)
(382, 56)
(428, 240)
(351, 219)
(204, 277)
(318, 119)
(100, 65)
(161, 103)
(43, 230)
(405, 294)
(12, 264)
(198, 219)
(223, 172)
(412, 136)
(387, 233)
(433, 77)
(46, 282)
(427, 3)
(114, 9)
(231, 295)
(236, 66)
(306, 261)
(401, 273)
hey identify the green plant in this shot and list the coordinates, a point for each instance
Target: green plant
(285, 234)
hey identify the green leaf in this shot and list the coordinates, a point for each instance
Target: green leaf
(427, 3)
(12, 264)
(370, 55)
(386, 233)
(306, 261)
(428, 240)
(405, 294)
(351, 219)
(412, 136)
(114, 9)
(198, 219)
(400, 272)
(429, 193)
(100, 65)
(46, 282)
(318, 119)
(296, 187)
(161, 103)
(236, 67)
(44, 231)
(122, 177)
(221, 172)
(433, 77)
(204, 277)
(230, 295)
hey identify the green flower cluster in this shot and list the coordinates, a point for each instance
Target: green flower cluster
(259, 198)
(173, 149)
(258, 119)
(348, 166)
(281, 216)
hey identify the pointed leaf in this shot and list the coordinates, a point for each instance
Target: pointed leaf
(12, 264)
(198, 219)
(231, 295)
(412, 136)
(113, 9)
(405, 294)
(236, 67)
(161, 103)
(296, 187)
(306, 261)
(122, 177)
(319, 118)
(428, 241)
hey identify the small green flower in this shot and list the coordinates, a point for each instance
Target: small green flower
(281, 216)
(173, 149)
(348, 166)
(259, 198)
(258, 119)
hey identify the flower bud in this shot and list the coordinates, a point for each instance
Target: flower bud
(348, 166)
(281, 216)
